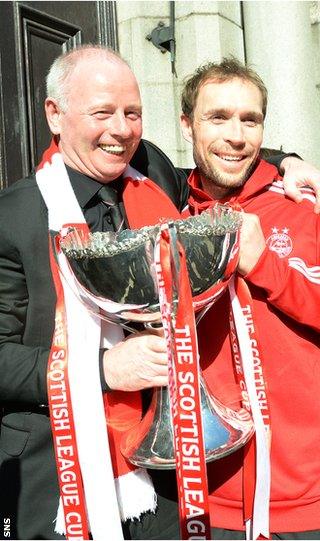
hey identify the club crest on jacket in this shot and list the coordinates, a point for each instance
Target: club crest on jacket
(280, 242)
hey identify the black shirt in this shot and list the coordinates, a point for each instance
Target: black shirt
(95, 211)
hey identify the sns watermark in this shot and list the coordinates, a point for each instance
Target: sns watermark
(6, 528)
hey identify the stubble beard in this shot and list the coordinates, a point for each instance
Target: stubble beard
(217, 181)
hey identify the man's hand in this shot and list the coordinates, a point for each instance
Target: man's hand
(297, 173)
(139, 362)
(252, 243)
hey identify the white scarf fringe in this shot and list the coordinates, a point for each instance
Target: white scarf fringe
(136, 483)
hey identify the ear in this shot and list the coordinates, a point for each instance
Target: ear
(53, 114)
(186, 128)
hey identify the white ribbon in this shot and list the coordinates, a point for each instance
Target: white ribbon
(260, 519)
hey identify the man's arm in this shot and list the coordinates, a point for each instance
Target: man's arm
(27, 297)
(22, 368)
(138, 362)
(297, 174)
(154, 164)
(292, 284)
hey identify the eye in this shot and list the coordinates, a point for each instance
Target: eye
(102, 114)
(134, 115)
(250, 122)
(217, 118)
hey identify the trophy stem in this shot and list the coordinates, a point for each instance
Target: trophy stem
(150, 444)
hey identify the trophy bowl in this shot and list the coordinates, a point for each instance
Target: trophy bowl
(120, 267)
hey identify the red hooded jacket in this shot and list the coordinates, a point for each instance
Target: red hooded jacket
(285, 286)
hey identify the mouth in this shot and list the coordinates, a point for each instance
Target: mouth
(115, 150)
(231, 158)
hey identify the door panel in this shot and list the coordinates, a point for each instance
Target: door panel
(32, 34)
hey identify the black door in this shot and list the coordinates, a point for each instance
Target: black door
(32, 34)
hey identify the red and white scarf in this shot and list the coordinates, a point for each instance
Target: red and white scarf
(94, 443)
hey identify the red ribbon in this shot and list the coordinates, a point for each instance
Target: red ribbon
(62, 424)
(184, 387)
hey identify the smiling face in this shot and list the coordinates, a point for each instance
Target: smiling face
(101, 127)
(226, 131)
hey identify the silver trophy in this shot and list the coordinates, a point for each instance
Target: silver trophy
(120, 268)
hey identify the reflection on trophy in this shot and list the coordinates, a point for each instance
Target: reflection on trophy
(120, 269)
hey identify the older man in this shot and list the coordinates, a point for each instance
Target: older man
(94, 112)
(224, 107)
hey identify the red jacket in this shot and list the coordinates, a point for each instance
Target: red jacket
(285, 286)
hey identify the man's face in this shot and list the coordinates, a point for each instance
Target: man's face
(102, 126)
(226, 132)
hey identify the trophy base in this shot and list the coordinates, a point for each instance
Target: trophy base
(150, 444)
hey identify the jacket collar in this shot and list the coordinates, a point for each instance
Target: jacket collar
(262, 177)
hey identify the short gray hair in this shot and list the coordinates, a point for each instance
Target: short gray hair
(63, 66)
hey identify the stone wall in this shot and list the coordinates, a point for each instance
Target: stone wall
(280, 39)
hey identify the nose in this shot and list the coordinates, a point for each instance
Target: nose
(234, 133)
(120, 126)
